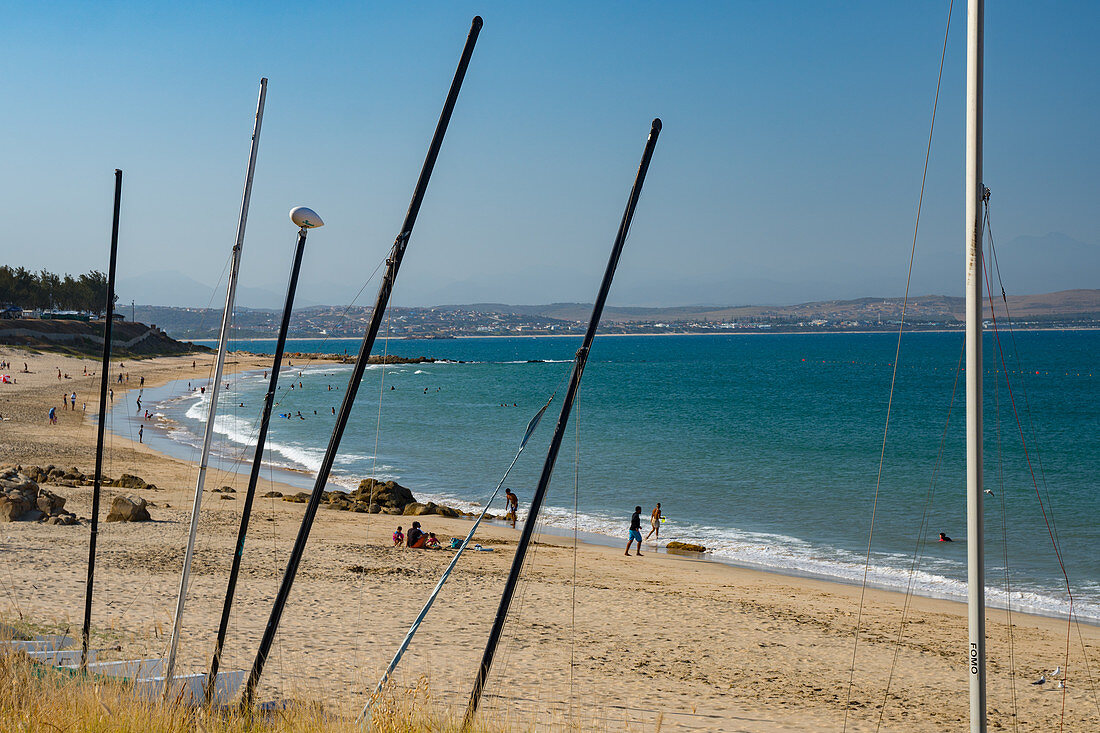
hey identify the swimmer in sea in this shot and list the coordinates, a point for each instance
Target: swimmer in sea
(945, 538)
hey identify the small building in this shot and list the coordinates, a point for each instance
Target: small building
(11, 312)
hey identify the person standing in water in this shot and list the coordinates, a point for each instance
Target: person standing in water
(635, 532)
(655, 518)
(513, 506)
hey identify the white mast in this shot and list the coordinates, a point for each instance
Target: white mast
(219, 364)
(975, 536)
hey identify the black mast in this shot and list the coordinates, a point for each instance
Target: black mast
(254, 476)
(104, 368)
(384, 290)
(559, 430)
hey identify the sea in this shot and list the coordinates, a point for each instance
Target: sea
(765, 448)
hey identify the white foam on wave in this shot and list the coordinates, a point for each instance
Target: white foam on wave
(769, 551)
(796, 556)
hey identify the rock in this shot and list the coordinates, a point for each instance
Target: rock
(19, 497)
(128, 508)
(388, 495)
(300, 498)
(49, 502)
(415, 509)
(684, 547)
(444, 511)
(273, 495)
(374, 508)
(227, 496)
(129, 481)
(224, 490)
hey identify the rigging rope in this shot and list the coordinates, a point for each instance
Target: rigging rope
(1048, 515)
(918, 553)
(894, 374)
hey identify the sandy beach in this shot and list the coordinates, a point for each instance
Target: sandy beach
(595, 639)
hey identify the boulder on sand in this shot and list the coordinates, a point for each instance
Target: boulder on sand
(129, 481)
(388, 494)
(418, 509)
(128, 508)
(22, 499)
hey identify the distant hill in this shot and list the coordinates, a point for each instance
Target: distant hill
(941, 308)
(1067, 309)
(86, 337)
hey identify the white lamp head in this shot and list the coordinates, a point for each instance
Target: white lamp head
(305, 217)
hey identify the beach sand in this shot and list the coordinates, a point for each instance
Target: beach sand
(596, 638)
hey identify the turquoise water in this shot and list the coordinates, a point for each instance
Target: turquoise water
(764, 448)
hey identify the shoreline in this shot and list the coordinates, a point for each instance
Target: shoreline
(662, 635)
(301, 478)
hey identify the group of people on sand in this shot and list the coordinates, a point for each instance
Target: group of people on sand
(635, 532)
(416, 538)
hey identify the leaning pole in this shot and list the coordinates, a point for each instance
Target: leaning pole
(104, 368)
(559, 430)
(393, 263)
(306, 219)
(215, 388)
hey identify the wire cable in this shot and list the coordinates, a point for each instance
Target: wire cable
(894, 374)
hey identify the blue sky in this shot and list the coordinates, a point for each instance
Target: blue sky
(788, 168)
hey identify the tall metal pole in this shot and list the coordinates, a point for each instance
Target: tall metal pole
(975, 535)
(393, 263)
(104, 368)
(219, 365)
(254, 476)
(559, 430)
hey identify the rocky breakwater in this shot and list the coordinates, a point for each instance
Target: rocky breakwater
(379, 497)
(22, 499)
(372, 359)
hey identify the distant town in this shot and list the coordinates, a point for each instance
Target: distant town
(27, 296)
(1067, 309)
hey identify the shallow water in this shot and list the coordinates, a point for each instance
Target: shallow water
(765, 448)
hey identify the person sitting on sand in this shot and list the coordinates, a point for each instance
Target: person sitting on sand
(635, 532)
(416, 536)
(945, 538)
(398, 537)
(432, 543)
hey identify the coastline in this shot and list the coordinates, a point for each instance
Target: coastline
(686, 636)
(743, 332)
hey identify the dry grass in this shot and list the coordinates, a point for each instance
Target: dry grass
(36, 697)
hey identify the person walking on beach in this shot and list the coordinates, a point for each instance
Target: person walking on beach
(72, 400)
(655, 522)
(513, 506)
(53, 416)
(635, 532)
(141, 433)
